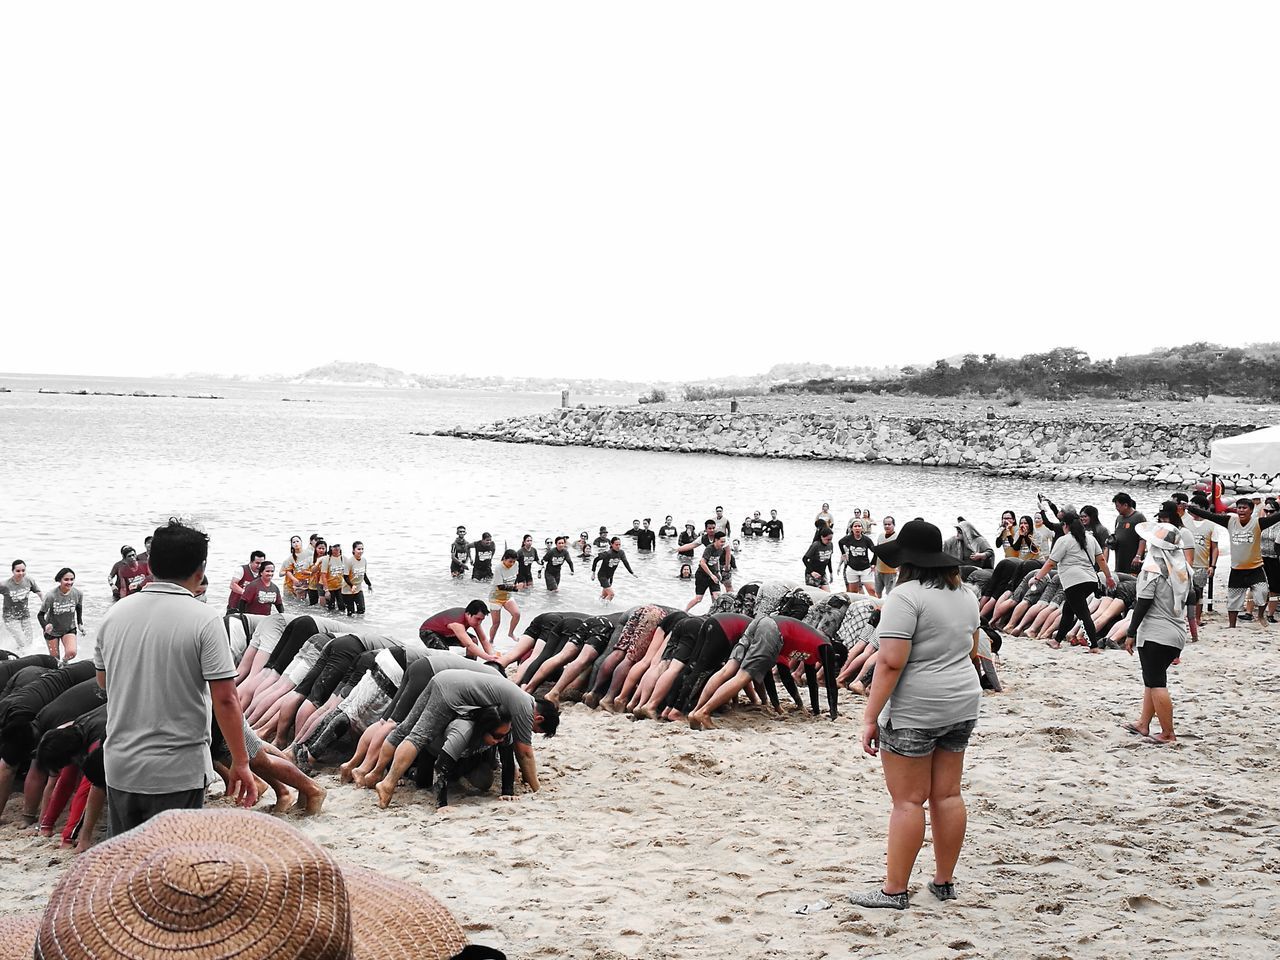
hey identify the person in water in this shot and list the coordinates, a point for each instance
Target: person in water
(526, 557)
(459, 554)
(319, 550)
(712, 567)
(553, 561)
(506, 584)
(355, 577)
(295, 569)
(16, 592)
(61, 616)
(773, 527)
(483, 551)
(132, 574)
(262, 594)
(449, 628)
(646, 539)
(667, 530)
(817, 559)
(248, 573)
(606, 565)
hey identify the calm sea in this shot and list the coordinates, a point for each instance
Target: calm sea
(80, 476)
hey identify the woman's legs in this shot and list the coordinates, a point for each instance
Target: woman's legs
(1075, 604)
(909, 780)
(366, 754)
(947, 816)
(511, 608)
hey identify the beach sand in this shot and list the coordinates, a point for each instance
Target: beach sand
(651, 841)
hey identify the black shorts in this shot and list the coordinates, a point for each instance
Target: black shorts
(525, 578)
(552, 578)
(596, 641)
(606, 579)
(702, 583)
(1156, 658)
(1246, 578)
(438, 641)
(456, 567)
(680, 649)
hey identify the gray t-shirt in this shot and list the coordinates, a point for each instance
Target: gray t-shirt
(160, 648)
(1165, 621)
(1074, 565)
(464, 692)
(15, 597)
(939, 685)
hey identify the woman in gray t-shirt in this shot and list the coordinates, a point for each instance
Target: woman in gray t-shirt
(1158, 627)
(1078, 559)
(922, 707)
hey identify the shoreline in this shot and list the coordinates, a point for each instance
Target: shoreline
(1084, 441)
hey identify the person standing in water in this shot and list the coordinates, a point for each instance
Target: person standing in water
(483, 551)
(61, 616)
(646, 539)
(248, 573)
(773, 526)
(667, 530)
(132, 573)
(332, 569)
(295, 569)
(553, 561)
(526, 557)
(16, 591)
(606, 565)
(459, 554)
(262, 594)
(355, 577)
(319, 550)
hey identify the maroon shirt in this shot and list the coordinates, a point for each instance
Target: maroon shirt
(131, 577)
(259, 598)
(246, 577)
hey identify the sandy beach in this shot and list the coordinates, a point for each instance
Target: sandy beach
(651, 841)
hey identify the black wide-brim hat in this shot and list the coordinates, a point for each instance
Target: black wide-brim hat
(918, 543)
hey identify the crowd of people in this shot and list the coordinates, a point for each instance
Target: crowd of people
(263, 691)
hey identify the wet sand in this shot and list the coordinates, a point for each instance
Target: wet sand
(652, 841)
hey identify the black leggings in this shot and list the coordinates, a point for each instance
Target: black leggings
(710, 652)
(351, 603)
(1007, 575)
(1156, 659)
(554, 645)
(296, 633)
(1075, 606)
(334, 664)
(415, 680)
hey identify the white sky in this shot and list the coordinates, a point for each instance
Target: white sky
(557, 188)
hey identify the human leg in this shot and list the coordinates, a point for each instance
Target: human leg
(909, 781)
(947, 816)
(714, 698)
(586, 656)
(402, 759)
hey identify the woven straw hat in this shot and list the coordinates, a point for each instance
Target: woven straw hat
(223, 884)
(17, 934)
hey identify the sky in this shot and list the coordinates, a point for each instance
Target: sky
(607, 189)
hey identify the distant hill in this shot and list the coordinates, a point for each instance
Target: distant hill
(1193, 370)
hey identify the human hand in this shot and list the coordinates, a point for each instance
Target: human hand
(1128, 645)
(1111, 582)
(242, 786)
(870, 738)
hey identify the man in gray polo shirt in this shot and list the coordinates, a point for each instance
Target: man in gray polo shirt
(162, 656)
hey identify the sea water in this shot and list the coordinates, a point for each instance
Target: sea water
(81, 476)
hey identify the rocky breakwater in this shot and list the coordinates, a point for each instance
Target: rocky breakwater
(1118, 450)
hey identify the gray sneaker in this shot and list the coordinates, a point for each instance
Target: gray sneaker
(879, 900)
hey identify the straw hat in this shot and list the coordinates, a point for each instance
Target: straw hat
(17, 934)
(223, 884)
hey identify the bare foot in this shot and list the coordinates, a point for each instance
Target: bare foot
(1139, 730)
(610, 704)
(553, 697)
(700, 720)
(66, 845)
(1053, 644)
(674, 716)
(644, 713)
(314, 801)
(591, 700)
(346, 772)
(284, 800)
(858, 687)
(1163, 738)
(385, 790)
(46, 831)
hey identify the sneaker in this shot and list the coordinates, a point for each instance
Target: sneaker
(879, 900)
(1271, 618)
(1247, 617)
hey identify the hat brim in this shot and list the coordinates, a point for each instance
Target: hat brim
(393, 920)
(18, 934)
(1147, 531)
(895, 554)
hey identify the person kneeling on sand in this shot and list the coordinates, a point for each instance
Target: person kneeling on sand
(459, 695)
(752, 657)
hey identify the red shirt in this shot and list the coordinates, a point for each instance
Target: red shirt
(259, 598)
(131, 577)
(798, 637)
(246, 576)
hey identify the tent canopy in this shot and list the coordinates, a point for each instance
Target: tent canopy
(1249, 454)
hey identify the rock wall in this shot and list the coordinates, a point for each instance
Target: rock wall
(1116, 451)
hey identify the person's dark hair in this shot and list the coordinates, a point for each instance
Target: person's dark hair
(508, 554)
(1245, 502)
(1179, 498)
(558, 539)
(936, 577)
(1200, 500)
(708, 523)
(62, 573)
(178, 550)
(477, 607)
(1124, 498)
(720, 535)
(613, 540)
(257, 555)
(356, 543)
(1090, 511)
(57, 749)
(262, 566)
(1070, 522)
(489, 718)
(319, 549)
(1168, 513)
(17, 563)
(146, 542)
(1271, 503)
(527, 536)
(550, 714)
(16, 741)
(748, 590)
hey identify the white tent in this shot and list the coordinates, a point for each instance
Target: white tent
(1255, 454)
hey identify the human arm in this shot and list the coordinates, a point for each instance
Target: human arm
(702, 565)
(469, 644)
(1221, 519)
(241, 785)
(622, 555)
(45, 611)
(569, 560)
(80, 614)
(1140, 608)
(1101, 561)
(528, 766)
(1267, 521)
(894, 652)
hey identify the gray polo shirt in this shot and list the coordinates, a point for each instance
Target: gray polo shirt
(159, 649)
(463, 692)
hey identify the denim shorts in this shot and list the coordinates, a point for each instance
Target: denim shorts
(920, 742)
